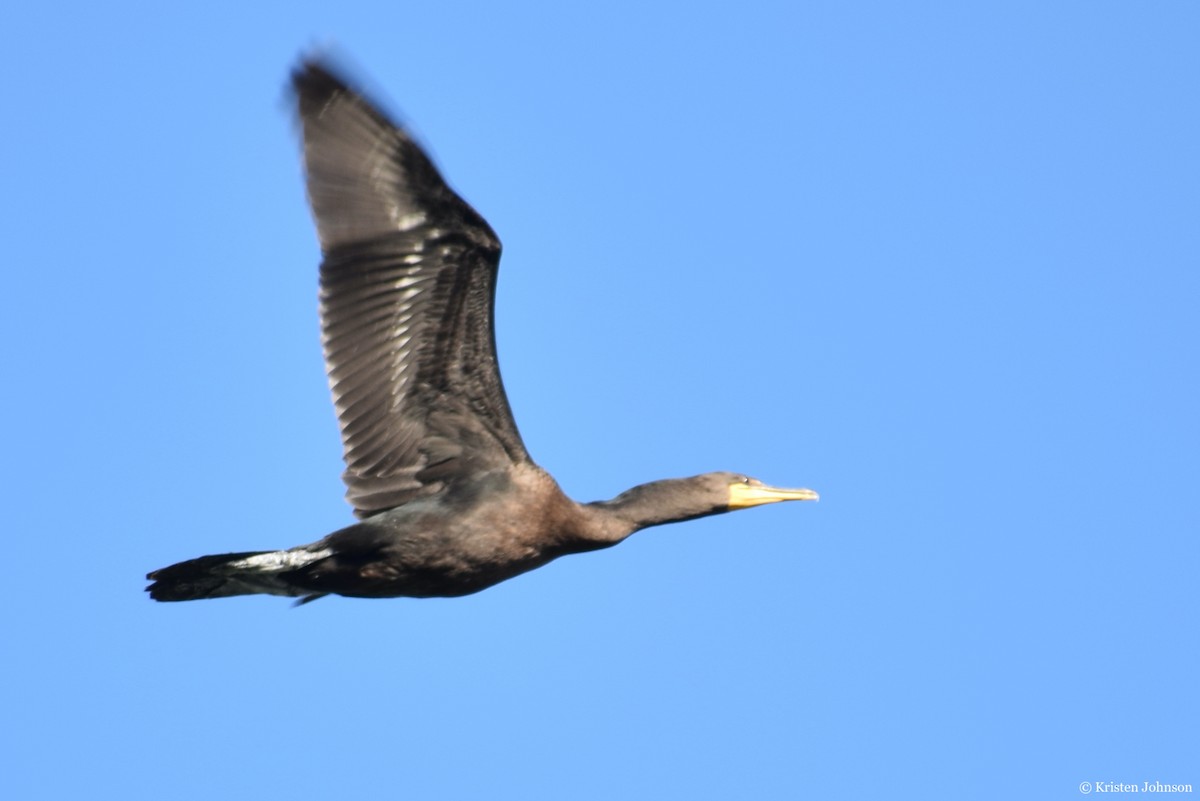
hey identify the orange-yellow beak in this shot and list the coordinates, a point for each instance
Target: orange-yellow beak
(744, 494)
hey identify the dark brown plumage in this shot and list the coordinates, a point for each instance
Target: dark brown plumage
(449, 500)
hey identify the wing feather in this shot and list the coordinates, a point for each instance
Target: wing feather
(407, 290)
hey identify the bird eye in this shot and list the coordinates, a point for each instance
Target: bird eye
(747, 480)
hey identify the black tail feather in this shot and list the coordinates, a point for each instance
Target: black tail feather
(200, 578)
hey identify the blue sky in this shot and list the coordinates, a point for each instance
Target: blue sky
(939, 261)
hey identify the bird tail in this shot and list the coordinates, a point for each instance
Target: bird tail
(228, 574)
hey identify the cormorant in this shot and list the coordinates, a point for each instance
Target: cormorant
(449, 500)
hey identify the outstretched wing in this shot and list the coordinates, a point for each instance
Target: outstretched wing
(407, 288)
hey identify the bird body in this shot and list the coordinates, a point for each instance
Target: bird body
(443, 545)
(450, 501)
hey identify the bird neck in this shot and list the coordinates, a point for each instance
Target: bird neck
(654, 504)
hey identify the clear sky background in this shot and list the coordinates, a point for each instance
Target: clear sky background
(938, 261)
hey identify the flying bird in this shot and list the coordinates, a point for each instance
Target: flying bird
(448, 500)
